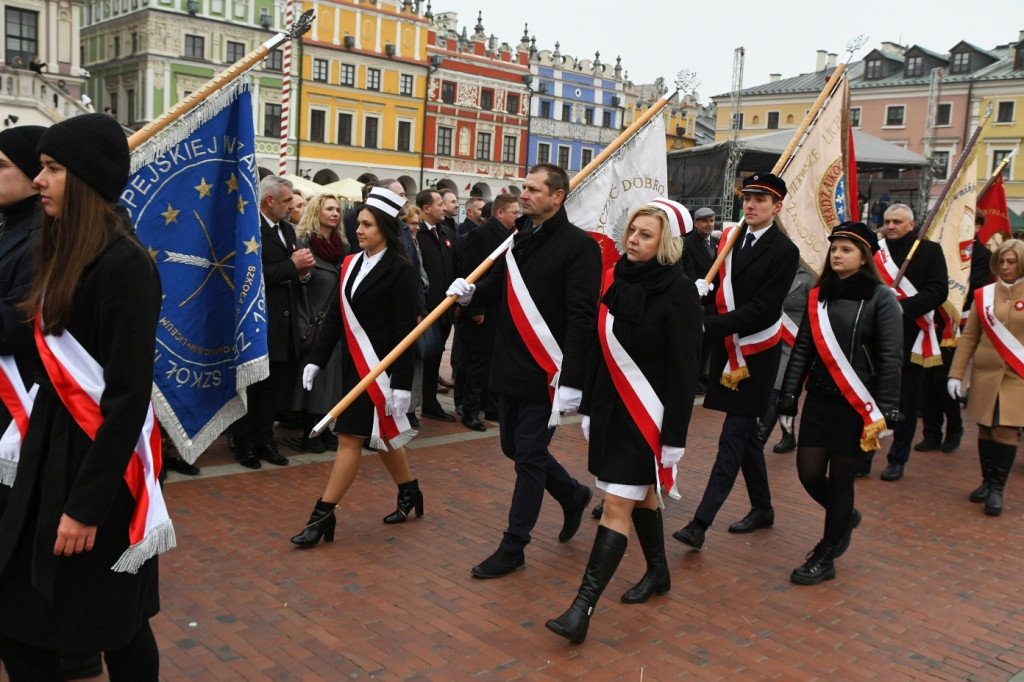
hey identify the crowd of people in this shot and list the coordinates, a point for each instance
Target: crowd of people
(682, 312)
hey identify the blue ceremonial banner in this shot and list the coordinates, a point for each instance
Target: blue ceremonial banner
(193, 197)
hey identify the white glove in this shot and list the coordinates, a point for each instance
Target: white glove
(704, 287)
(786, 421)
(463, 289)
(309, 373)
(953, 388)
(585, 425)
(569, 400)
(400, 401)
(670, 455)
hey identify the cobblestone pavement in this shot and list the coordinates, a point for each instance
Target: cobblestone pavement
(931, 588)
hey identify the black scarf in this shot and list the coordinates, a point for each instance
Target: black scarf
(626, 298)
(856, 287)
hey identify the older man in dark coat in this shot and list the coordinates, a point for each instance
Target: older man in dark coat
(700, 247)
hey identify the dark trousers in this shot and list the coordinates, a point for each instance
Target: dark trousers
(458, 360)
(475, 394)
(739, 449)
(431, 370)
(255, 430)
(525, 436)
(911, 384)
(137, 662)
(936, 403)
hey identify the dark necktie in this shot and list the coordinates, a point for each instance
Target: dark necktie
(745, 249)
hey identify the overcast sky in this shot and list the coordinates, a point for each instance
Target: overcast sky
(658, 38)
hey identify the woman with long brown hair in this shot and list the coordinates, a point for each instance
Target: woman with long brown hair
(86, 517)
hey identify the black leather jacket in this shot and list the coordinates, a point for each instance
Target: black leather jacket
(868, 325)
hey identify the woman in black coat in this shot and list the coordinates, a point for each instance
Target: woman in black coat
(380, 294)
(74, 573)
(637, 399)
(849, 350)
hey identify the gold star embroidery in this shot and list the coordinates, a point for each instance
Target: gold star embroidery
(241, 205)
(232, 184)
(252, 246)
(152, 252)
(170, 215)
(203, 188)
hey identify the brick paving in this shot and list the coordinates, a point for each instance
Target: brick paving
(930, 589)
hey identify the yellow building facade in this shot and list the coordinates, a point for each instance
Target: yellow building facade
(1001, 138)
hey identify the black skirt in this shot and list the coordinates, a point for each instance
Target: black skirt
(829, 422)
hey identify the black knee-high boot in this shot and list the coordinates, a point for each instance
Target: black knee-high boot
(650, 530)
(409, 497)
(980, 494)
(1002, 457)
(609, 546)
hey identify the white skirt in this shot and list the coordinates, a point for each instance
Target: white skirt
(630, 492)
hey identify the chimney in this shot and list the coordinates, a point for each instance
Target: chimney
(819, 64)
(894, 49)
(774, 77)
(831, 63)
(1020, 36)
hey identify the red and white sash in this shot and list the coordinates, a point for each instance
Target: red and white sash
(789, 329)
(1009, 348)
(842, 372)
(535, 332)
(926, 346)
(389, 430)
(738, 347)
(78, 380)
(18, 402)
(636, 392)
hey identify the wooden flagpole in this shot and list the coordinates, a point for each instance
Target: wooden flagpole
(219, 81)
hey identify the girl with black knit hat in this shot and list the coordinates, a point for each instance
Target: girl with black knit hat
(86, 518)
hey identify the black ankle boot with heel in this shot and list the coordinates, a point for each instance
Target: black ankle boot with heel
(321, 525)
(650, 530)
(409, 497)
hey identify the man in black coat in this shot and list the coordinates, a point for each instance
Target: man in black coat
(437, 249)
(699, 250)
(927, 273)
(474, 217)
(285, 269)
(760, 269)
(478, 318)
(560, 267)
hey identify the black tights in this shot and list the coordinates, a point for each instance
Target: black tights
(137, 662)
(828, 479)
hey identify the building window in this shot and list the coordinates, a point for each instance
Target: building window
(370, 128)
(135, 42)
(512, 103)
(348, 74)
(609, 119)
(586, 156)
(21, 35)
(373, 79)
(344, 128)
(444, 141)
(1004, 113)
(588, 116)
(940, 165)
(486, 99)
(944, 114)
(894, 116)
(405, 84)
(545, 109)
(448, 92)
(131, 107)
(739, 120)
(195, 46)
(915, 67)
(404, 136)
(275, 60)
(113, 102)
(483, 146)
(316, 125)
(543, 152)
(854, 117)
(773, 120)
(873, 69)
(320, 70)
(117, 46)
(235, 52)
(566, 112)
(998, 157)
(961, 63)
(563, 157)
(272, 120)
(508, 151)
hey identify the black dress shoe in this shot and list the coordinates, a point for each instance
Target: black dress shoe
(573, 516)
(248, 459)
(691, 536)
(598, 511)
(499, 564)
(270, 454)
(439, 415)
(893, 472)
(928, 445)
(473, 422)
(787, 444)
(756, 519)
(952, 441)
(182, 467)
(414, 421)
